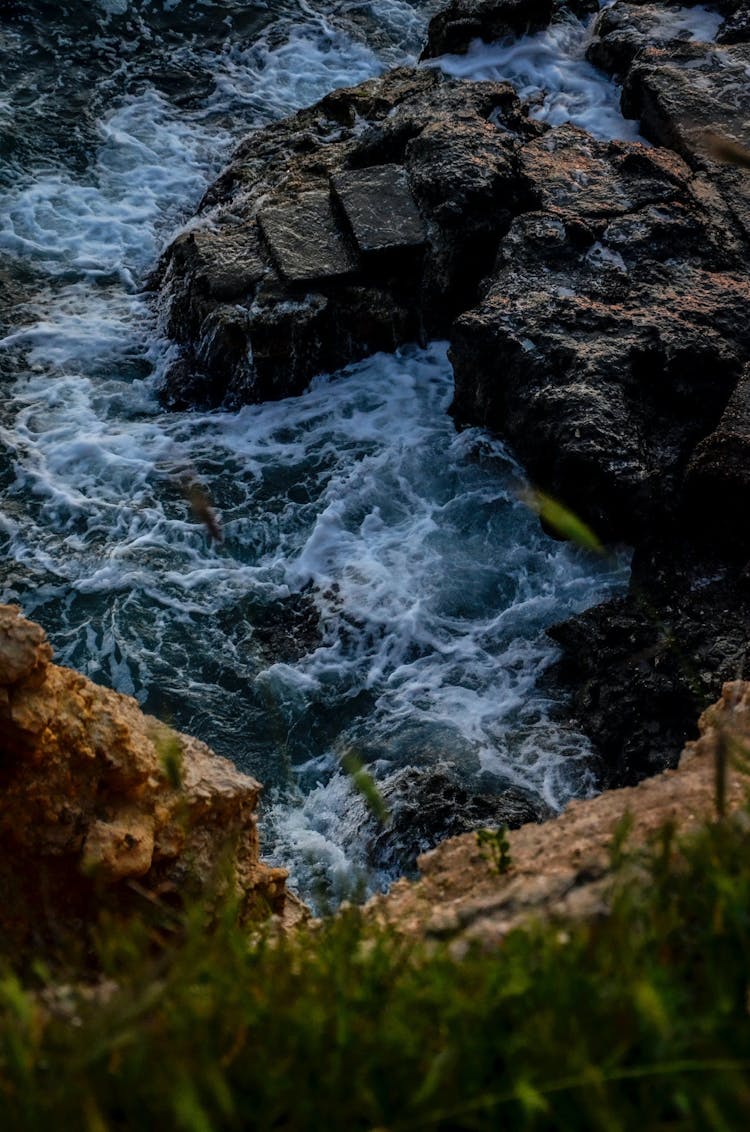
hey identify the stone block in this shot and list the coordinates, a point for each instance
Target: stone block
(380, 208)
(305, 239)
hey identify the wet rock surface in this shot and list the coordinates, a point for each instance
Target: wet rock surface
(106, 807)
(611, 333)
(425, 806)
(354, 226)
(639, 666)
(563, 869)
(596, 295)
(454, 26)
(683, 91)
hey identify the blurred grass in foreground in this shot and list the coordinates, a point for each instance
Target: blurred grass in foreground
(639, 1020)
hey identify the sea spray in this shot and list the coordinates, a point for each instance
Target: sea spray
(380, 586)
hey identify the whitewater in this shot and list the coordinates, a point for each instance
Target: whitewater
(379, 588)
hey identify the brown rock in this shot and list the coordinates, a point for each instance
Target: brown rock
(562, 868)
(25, 651)
(97, 796)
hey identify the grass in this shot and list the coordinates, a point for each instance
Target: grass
(638, 1020)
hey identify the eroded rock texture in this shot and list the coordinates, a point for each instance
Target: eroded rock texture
(611, 332)
(357, 225)
(102, 804)
(428, 804)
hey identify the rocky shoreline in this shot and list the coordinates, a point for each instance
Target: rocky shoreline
(595, 295)
(563, 870)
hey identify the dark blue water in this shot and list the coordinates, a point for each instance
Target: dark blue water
(379, 587)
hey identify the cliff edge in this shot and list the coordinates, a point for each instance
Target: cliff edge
(103, 805)
(563, 867)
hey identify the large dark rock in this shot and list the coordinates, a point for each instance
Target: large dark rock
(718, 475)
(640, 666)
(601, 290)
(736, 27)
(686, 94)
(626, 28)
(427, 805)
(611, 332)
(380, 209)
(361, 223)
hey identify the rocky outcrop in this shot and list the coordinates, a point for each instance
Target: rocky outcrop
(426, 805)
(562, 869)
(357, 225)
(596, 298)
(641, 667)
(106, 807)
(683, 91)
(718, 475)
(611, 332)
(456, 24)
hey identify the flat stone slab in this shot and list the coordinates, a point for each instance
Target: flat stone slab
(380, 208)
(233, 260)
(305, 240)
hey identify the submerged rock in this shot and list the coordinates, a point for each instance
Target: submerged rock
(106, 807)
(564, 868)
(427, 805)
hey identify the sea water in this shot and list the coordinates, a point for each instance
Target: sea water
(380, 588)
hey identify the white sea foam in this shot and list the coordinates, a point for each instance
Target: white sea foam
(550, 70)
(431, 582)
(696, 23)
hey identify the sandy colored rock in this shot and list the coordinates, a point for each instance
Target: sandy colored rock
(25, 651)
(561, 868)
(98, 797)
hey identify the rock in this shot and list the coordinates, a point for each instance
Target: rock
(25, 652)
(453, 27)
(736, 28)
(643, 666)
(354, 226)
(563, 868)
(624, 29)
(305, 241)
(380, 209)
(427, 805)
(611, 333)
(98, 796)
(718, 475)
(601, 291)
(684, 93)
